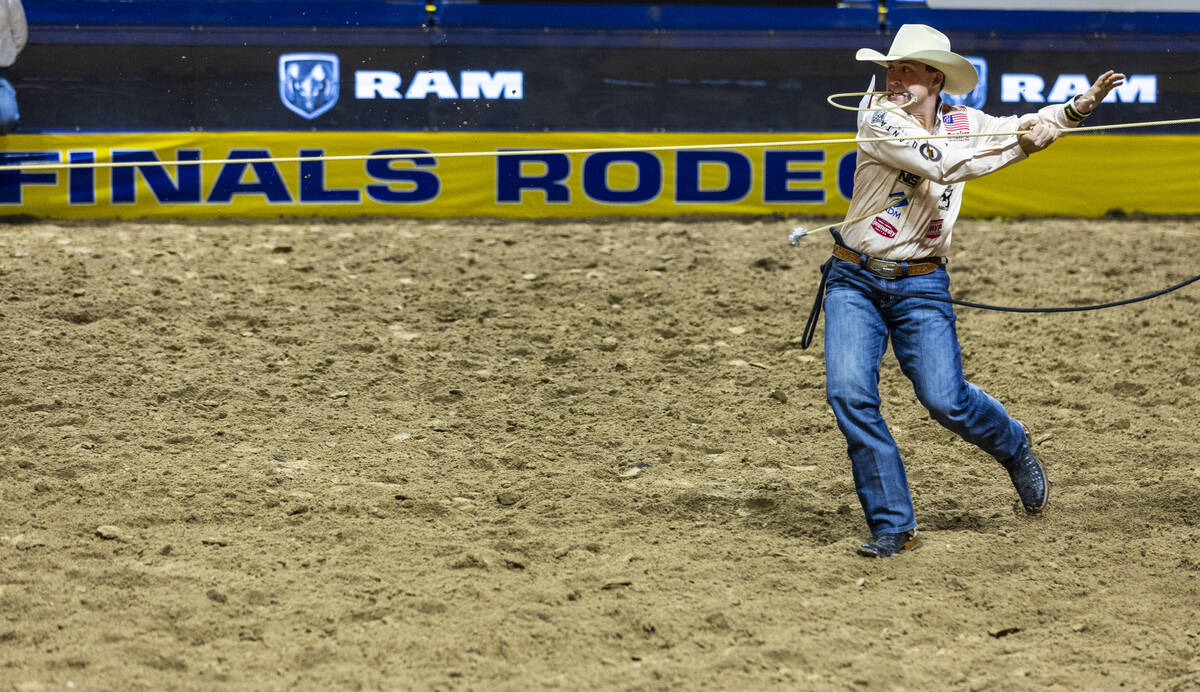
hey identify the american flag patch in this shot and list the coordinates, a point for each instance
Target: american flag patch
(956, 123)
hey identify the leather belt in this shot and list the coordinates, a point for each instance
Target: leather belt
(889, 269)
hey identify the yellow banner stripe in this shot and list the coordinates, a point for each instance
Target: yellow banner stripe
(1083, 175)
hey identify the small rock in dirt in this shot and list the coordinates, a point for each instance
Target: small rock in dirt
(780, 396)
(609, 343)
(41, 487)
(429, 607)
(213, 540)
(469, 561)
(108, 532)
(559, 357)
(805, 467)
(718, 621)
(216, 596)
(508, 498)
(23, 542)
(1003, 632)
(635, 469)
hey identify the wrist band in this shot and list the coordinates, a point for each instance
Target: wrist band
(1072, 114)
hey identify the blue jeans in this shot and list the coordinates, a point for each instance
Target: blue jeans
(8, 107)
(859, 319)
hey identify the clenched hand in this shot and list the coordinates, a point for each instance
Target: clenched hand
(1040, 136)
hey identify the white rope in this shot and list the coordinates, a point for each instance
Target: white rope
(597, 150)
(799, 232)
(912, 98)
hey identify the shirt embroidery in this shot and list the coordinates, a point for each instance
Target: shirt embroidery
(956, 123)
(947, 195)
(883, 228)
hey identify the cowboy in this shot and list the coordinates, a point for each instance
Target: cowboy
(903, 249)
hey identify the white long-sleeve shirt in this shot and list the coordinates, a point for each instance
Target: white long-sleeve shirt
(13, 31)
(930, 173)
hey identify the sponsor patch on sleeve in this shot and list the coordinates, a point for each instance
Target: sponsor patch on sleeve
(930, 152)
(946, 198)
(935, 229)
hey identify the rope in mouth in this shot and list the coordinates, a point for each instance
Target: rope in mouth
(885, 104)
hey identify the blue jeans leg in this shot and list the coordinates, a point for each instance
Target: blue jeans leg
(859, 321)
(856, 338)
(925, 341)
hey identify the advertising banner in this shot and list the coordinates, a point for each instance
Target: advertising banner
(273, 174)
(438, 175)
(646, 84)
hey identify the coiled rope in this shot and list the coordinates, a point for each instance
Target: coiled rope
(814, 314)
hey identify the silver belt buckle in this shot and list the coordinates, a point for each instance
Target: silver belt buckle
(884, 269)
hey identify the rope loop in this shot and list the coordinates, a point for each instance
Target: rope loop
(887, 105)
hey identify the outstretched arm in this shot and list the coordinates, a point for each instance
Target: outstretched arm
(1045, 127)
(1086, 102)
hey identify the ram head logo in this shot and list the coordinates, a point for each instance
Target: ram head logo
(308, 82)
(977, 98)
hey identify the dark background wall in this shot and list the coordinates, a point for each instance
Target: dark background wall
(154, 65)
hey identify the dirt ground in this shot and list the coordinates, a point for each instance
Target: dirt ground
(476, 455)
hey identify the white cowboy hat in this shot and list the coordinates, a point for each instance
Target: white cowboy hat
(925, 44)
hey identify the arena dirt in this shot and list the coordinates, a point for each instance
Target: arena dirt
(482, 455)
